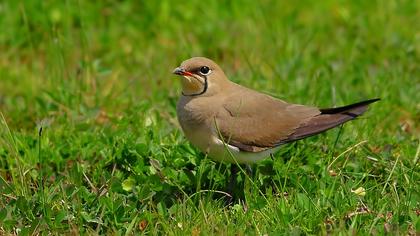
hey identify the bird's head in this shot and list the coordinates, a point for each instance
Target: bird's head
(200, 77)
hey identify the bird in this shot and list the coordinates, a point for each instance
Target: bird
(234, 124)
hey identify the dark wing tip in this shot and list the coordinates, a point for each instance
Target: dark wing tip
(330, 118)
(348, 107)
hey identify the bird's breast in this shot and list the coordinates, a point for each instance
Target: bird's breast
(195, 119)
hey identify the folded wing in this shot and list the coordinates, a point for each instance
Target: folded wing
(255, 122)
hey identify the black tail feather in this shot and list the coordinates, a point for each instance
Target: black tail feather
(348, 107)
(330, 118)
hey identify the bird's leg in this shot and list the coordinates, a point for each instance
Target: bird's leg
(232, 183)
(232, 188)
(248, 170)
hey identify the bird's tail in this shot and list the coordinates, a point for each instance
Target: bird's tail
(330, 118)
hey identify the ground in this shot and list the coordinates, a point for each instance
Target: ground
(90, 144)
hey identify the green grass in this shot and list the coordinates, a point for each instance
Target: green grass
(111, 158)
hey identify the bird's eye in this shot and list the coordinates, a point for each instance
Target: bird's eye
(205, 70)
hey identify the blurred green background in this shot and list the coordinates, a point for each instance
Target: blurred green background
(93, 51)
(96, 75)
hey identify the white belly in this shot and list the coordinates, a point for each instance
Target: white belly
(220, 151)
(224, 152)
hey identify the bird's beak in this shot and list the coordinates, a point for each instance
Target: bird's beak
(181, 71)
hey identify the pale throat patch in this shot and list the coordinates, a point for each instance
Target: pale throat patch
(192, 85)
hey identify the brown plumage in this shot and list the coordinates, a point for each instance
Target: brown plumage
(330, 118)
(272, 122)
(214, 111)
